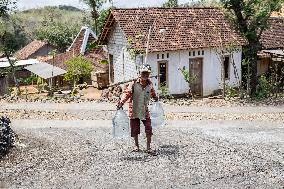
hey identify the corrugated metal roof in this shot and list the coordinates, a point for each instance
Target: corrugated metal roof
(275, 52)
(45, 70)
(5, 64)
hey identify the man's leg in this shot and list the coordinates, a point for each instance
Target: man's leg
(135, 131)
(136, 142)
(148, 142)
(148, 131)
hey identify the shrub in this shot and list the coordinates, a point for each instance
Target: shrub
(7, 136)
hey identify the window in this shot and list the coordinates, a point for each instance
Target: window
(158, 56)
(193, 53)
(168, 55)
(227, 67)
(202, 52)
(189, 53)
(198, 53)
(162, 56)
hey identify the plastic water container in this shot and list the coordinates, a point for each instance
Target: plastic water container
(157, 115)
(120, 125)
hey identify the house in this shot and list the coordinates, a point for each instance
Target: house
(82, 44)
(272, 41)
(26, 56)
(33, 50)
(178, 38)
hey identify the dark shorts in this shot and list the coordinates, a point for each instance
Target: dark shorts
(135, 126)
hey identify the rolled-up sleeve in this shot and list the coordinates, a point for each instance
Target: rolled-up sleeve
(127, 93)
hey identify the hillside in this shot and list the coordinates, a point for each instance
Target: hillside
(71, 18)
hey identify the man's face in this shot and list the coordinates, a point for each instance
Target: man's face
(145, 75)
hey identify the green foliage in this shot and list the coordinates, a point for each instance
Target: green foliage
(6, 6)
(91, 46)
(187, 77)
(12, 35)
(40, 23)
(95, 5)
(133, 52)
(101, 20)
(263, 88)
(29, 80)
(129, 40)
(230, 91)
(103, 62)
(202, 3)
(57, 34)
(170, 4)
(77, 67)
(251, 18)
(164, 91)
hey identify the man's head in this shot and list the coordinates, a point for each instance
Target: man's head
(145, 71)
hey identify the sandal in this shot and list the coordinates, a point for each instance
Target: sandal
(151, 152)
(136, 150)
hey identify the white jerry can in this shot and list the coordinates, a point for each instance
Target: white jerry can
(120, 125)
(157, 115)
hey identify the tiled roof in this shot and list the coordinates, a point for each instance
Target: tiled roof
(30, 49)
(273, 37)
(78, 41)
(172, 28)
(95, 56)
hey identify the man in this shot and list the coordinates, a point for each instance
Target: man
(139, 93)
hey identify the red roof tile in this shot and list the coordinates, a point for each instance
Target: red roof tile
(273, 37)
(30, 49)
(185, 28)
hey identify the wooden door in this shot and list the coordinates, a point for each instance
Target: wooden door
(195, 68)
(111, 69)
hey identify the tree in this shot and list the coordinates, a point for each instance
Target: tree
(77, 67)
(56, 32)
(58, 35)
(171, 4)
(101, 20)
(250, 17)
(6, 6)
(202, 3)
(11, 39)
(189, 79)
(95, 5)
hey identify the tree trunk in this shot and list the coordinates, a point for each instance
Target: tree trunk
(14, 75)
(251, 55)
(74, 86)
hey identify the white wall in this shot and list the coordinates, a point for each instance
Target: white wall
(211, 70)
(124, 64)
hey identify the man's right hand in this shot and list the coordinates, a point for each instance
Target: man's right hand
(118, 107)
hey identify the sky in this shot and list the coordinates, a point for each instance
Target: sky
(26, 4)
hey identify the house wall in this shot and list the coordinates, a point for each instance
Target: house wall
(124, 64)
(3, 85)
(211, 70)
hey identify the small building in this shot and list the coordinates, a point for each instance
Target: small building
(82, 45)
(179, 38)
(272, 41)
